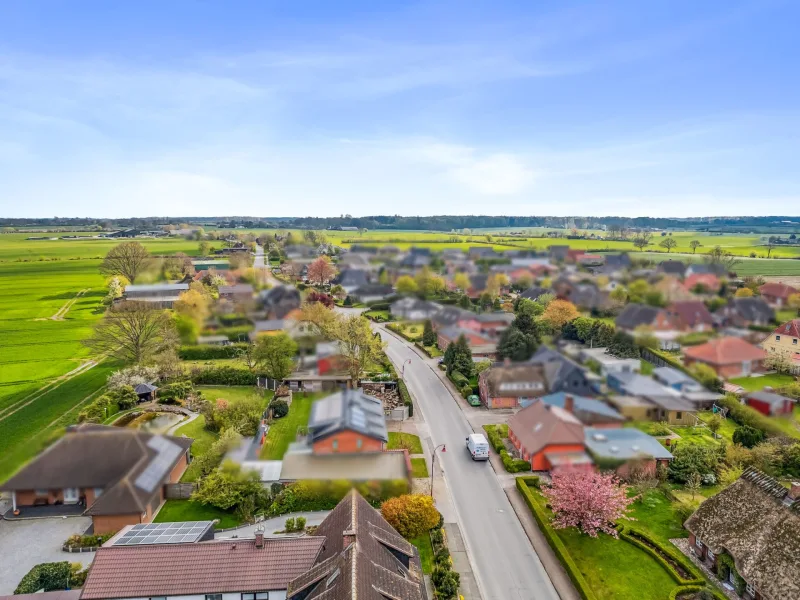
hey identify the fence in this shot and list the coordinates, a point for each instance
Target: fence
(179, 491)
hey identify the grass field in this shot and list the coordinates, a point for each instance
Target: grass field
(753, 384)
(186, 510)
(283, 431)
(398, 440)
(233, 393)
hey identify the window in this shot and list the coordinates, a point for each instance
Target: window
(213, 596)
(256, 596)
(679, 415)
(699, 545)
(359, 443)
(777, 338)
(794, 341)
(98, 492)
(751, 589)
(711, 556)
(42, 492)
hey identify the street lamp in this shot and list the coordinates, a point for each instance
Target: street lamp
(403, 368)
(433, 463)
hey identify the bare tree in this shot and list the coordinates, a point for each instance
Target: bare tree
(642, 240)
(720, 256)
(128, 259)
(133, 332)
(771, 241)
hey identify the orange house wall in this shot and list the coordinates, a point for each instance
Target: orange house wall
(178, 470)
(113, 523)
(539, 461)
(347, 443)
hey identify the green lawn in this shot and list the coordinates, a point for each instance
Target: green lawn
(785, 314)
(696, 435)
(419, 468)
(231, 393)
(410, 441)
(613, 568)
(381, 315)
(752, 384)
(186, 510)
(423, 544)
(727, 428)
(655, 514)
(203, 438)
(283, 431)
(646, 368)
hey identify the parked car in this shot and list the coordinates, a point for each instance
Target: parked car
(474, 400)
(478, 446)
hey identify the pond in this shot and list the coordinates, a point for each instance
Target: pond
(155, 422)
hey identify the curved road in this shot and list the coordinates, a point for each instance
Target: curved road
(505, 564)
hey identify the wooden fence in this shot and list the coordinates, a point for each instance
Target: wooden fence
(179, 491)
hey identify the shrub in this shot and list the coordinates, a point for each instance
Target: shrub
(87, 541)
(45, 576)
(442, 556)
(300, 523)
(437, 537)
(309, 495)
(209, 352)
(745, 415)
(411, 514)
(279, 408)
(660, 428)
(514, 465)
(405, 397)
(234, 334)
(178, 390)
(446, 583)
(289, 525)
(495, 437)
(748, 436)
(458, 379)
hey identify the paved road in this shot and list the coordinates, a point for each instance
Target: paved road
(505, 564)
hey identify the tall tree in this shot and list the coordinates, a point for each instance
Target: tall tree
(559, 312)
(321, 271)
(128, 259)
(642, 240)
(771, 242)
(405, 284)
(274, 355)
(694, 245)
(461, 281)
(516, 345)
(668, 243)
(587, 500)
(358, 345)
(719, 256)
(133, 332)
(411, 514)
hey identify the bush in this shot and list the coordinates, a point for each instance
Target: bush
(178, 390)
(223, 376)
(300, 524)
(437, 537)
(458, 379)
(411, 514)
(45, 576)
(442, 557)
(495, 435)
(405, 397)
(553, 540)
(209, 352)
(514, 465)
(445, 582)
(234, 334)
(87, 541)
(279, 408)
(748, 436)
(289, 525)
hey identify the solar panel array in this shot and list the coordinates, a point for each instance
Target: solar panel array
(154, 473)
(164, 533)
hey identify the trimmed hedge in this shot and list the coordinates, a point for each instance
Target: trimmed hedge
(495, 437)
(209, 352)
(405, 396)
(223, 376)
(306, 496)
(47, 576)
(234, 334)
(688, 589)
(679, 558)
(552, 538)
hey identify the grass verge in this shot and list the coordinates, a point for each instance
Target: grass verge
(409, 441)
(419, 468)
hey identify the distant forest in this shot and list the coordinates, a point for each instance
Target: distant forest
(446, 223)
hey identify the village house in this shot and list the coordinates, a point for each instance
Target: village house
(158, 295)
(481, 345)
(279, 301)
(744, 312)
(785, 340)
(777, 294)
(667, 403)
(690, 315)
(512, 385)
(672, 267)
(564, 374)
(371, 292)
(608, 362)
(755, 521)
(114, 475)
(702, 283)
(354, 553)
(728, 356)
(620, 448)
(589, 411)
(413, 309)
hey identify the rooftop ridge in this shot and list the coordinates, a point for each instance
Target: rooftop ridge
(766, 483)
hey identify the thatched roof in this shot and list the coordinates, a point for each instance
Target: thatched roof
(757, 522)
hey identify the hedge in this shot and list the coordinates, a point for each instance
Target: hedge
(625, 534)
(209, 352)
(405, 396)
(688, 589)
(234, 334)
(306, 496)
(552, 538)
(458, 379)
(510, 464)
(745, 415)
(223, 376)
(47, 576)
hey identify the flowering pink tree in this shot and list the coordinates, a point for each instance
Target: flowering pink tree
(587, 500)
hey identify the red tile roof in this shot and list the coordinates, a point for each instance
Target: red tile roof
(540, 425)
(790, 328)
(777, 289)
(725, 351)
(708, 280)
(691, 313)
(201, 568)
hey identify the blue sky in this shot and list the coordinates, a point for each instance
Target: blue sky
(658, 108)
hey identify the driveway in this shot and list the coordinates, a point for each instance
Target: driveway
(25, 544)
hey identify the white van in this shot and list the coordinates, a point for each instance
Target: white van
(478, 447)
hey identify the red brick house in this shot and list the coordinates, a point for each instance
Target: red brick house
(769, 403)
(116, 475)
(481, 344)
(347, 422)
(728, 356)
(776, 293)
(690, 315)
(548, 436)
(755, 521)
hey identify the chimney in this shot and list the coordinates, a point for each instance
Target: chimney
(569, 404)
(794, 492)
(260, 537)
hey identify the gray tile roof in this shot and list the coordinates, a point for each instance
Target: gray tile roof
(623, 444)
(348, 410)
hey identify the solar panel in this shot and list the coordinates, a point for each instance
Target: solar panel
(164, 533)
(154, 473)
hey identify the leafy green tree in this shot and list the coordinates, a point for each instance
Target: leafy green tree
(227, 487)
(693, 458)
(706, 376)
(694, 245)
(623, 346)
(525, 306)
(668, 243)
(428, 335)
(464, 302)
(516, 345)
(274, 355)
(458, 357)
